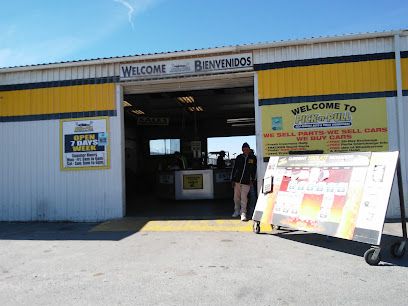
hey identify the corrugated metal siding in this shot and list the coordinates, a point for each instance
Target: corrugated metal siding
(393, 144)
(320, 50)
(369, 76)
(404, 150)
(60, 74)
(403, 147)
(277, 54)
(404, 72)
(330, 79)
(66, 99)
(404, 43)
(32, 186)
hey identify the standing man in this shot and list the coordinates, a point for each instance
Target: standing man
(179, 162)
(242, 176)
(220, 160)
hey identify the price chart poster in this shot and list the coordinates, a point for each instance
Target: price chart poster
(340, 195)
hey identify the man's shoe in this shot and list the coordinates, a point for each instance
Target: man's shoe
(235, 214)
(243, 217)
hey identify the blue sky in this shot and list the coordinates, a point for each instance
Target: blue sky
(44, 31)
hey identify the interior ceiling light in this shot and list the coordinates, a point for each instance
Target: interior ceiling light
(186, 100)
(126, 104)
(241, 120)
(195, 109)
(137, 112)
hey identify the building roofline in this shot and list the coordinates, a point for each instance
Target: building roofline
(207, 51)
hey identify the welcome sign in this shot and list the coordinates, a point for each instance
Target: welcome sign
(332, 126)
(215, 64)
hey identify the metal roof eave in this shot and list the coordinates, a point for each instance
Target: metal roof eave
(216, 50)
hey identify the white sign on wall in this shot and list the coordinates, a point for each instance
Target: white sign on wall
(84, 143)
(215, 64)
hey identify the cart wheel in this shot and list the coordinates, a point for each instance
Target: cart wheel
(371, 258)
(396, 251)
(256, 227)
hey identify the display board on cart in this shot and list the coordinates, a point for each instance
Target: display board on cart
(342, 195)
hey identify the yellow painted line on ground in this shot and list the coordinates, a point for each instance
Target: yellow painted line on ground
(198, 226)
(146, 225)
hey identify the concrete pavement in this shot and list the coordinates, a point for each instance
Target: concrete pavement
(67, 264)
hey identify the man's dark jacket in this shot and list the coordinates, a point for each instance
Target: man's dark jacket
(244, 169)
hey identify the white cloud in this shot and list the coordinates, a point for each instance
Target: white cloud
(135, 7)
(16, 51)
(130, 12)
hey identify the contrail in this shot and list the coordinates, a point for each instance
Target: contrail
(130, 12)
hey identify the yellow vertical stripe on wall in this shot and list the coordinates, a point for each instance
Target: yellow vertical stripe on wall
(404, 72)
(67, 99)
(342, 78)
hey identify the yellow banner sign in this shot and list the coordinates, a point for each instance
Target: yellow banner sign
(331, 126)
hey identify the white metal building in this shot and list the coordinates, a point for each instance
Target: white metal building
(38, 102)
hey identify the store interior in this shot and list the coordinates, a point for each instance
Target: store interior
(157, 125)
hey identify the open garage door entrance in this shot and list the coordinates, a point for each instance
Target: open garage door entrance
(163, 118)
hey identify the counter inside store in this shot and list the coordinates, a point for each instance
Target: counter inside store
(195, 184)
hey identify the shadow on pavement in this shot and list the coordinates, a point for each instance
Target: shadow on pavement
(151, 207)
(139, 213)
(346, 246)
(55, 231)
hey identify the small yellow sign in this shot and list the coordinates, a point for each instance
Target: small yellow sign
(192, 181)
